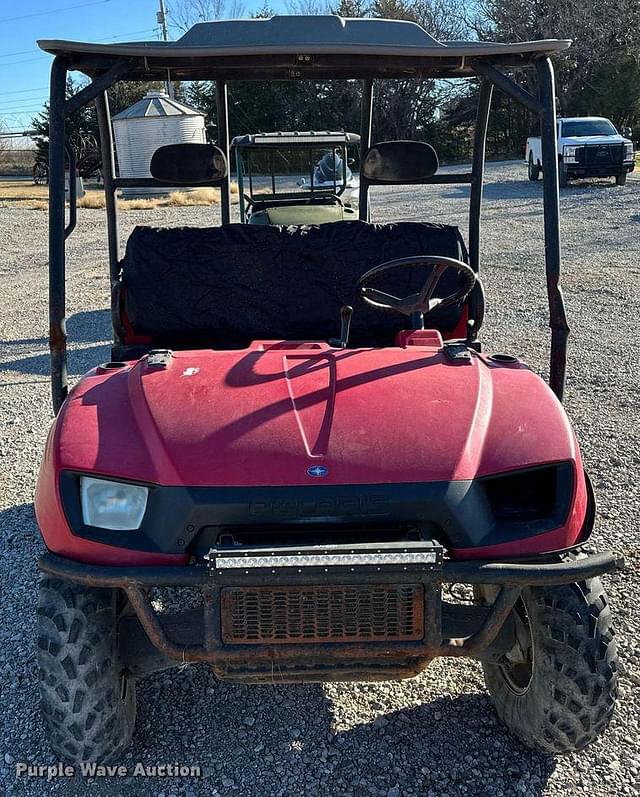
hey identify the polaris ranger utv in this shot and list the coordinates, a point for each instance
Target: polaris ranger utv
(300, 424)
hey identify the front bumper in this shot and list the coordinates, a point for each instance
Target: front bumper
(447, 629)
(591, 170)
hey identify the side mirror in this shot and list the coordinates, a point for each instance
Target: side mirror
(188, 164)
(399, 163)
(627, 132)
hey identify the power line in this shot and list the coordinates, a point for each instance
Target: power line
(17, 117)
(25, 61)
(16, 52)
(108, 38)
(54, 11)
(28, 108)
(46, 57)
(25, 108)
(23, 91)
(130, 33)
(24, 102)
(20, 111)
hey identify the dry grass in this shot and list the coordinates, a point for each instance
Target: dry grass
(200, 196)
(21, 190)
(35, 197)
(23, 194)
(93, 200)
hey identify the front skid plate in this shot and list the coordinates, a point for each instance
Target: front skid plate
(480, 636)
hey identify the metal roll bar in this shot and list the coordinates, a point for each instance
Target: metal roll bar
(60, 108)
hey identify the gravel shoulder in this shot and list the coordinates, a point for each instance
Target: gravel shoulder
(436, 735)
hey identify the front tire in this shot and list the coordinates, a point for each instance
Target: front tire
(621, 179)
(88, 701)
(561, 695)
(533, 170)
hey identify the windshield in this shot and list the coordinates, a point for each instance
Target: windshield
(286, 172)
(595, 127)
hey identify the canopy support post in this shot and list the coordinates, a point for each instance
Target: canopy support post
(57, 323)
(508, 86)
(552, 249)
(222, 110)
(477, 171)
(366, 119)
(111, 204)
(97, 87)
(108, 177)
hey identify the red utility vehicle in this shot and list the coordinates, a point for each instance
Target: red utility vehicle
(300, 424)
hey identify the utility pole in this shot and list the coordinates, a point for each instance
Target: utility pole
(161, 17)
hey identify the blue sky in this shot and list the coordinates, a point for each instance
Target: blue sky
(24, 69)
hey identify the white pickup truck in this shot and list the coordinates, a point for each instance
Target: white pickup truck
(588, 146)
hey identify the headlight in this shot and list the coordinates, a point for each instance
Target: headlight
(628, 152)
(112, 505)
(569, 154)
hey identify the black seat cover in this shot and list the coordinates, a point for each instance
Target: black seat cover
(226, 286)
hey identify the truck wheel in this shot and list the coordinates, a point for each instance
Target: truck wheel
(533, 169)
(621, 179)
(563, 177)
(556, 689)
(87, 700)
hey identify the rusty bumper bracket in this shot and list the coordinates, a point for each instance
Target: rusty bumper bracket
(449, 629)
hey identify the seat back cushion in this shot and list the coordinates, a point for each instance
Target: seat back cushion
(227, 286)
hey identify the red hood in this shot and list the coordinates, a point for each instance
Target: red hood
(266, 415)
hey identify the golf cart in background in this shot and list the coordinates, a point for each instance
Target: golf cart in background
(299, 423)
(271, 189)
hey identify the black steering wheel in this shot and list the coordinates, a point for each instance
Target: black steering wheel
(421, 303)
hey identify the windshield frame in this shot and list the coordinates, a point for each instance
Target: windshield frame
(246, 172)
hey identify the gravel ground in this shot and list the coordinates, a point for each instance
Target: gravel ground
(435, 735)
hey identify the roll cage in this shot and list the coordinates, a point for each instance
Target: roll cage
(298, 48)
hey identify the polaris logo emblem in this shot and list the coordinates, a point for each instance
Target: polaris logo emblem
(318, 471)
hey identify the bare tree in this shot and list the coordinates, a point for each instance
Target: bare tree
(185, 13)
(5, 142)
(601, 32)
(313, 8)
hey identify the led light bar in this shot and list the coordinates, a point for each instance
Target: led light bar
(302, 138)
(324, 560)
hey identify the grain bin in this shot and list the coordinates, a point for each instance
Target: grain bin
(152, 122)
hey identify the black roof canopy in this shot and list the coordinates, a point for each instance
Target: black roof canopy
(299, 47)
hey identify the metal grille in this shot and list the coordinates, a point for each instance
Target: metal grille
(358, 613)
(599, 154)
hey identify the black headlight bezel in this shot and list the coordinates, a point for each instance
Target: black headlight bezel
(461, 514)
(532, 500)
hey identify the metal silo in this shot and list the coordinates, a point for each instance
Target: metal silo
(152, 122)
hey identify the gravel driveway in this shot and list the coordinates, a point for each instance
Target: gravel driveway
(437, 734)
